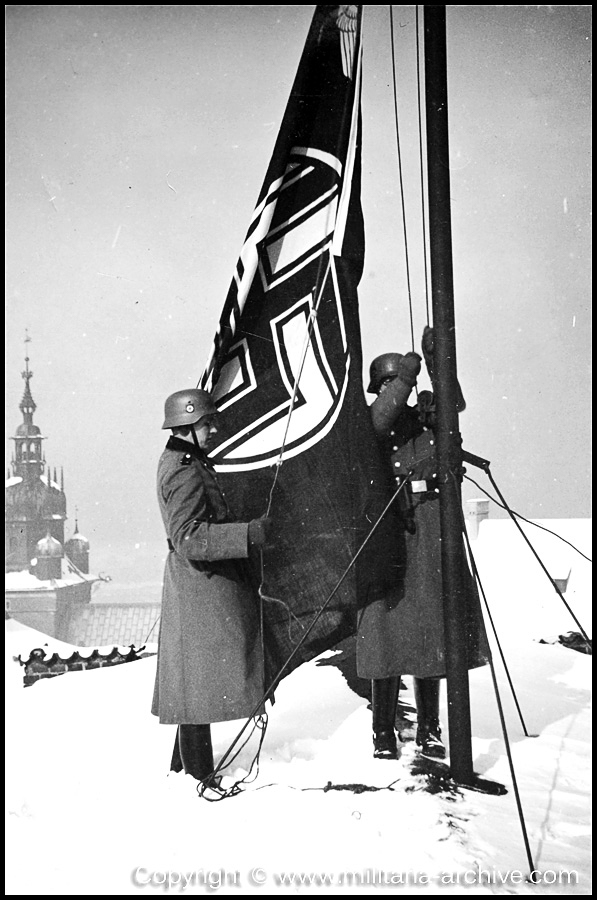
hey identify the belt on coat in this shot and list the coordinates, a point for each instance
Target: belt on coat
(430, 485)
(170, 546)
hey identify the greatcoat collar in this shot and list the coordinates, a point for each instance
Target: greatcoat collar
(181, 446)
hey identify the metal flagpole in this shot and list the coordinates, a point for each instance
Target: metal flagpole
(447, 434)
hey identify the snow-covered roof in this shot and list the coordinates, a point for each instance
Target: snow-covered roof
(393, 833)
(16, 479)
(54, 484)
(517, 580)
(24, 581)
(20, 640)
(551, 538)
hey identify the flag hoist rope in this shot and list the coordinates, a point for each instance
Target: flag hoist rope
(421, 167)
(224, 761)
(403, 202)
(323, 272)
(502, 717)
(440, 252)
(426, 286)
(322, 276)
(484, 464)
(424, 253)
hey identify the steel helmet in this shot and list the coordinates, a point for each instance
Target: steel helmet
(385, 366)
(187, 407)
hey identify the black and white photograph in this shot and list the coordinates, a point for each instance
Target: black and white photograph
(298, 436)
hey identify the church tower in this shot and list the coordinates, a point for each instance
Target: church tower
(77, 550)
(35, 503)
(45, 588)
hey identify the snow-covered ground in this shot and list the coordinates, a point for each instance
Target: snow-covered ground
(91, 808)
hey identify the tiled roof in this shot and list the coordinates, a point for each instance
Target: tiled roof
(121, 624)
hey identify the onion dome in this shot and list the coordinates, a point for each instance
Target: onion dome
(27, 429)
(48, 547)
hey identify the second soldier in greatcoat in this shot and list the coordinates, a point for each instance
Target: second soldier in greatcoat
(406, 636)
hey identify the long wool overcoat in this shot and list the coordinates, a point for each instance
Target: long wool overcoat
(210, 658)
(405, 636)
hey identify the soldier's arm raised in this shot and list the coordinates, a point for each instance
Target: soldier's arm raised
(391, 403)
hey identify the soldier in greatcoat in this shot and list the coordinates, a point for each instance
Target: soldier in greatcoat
(210, 665)
(406, 636)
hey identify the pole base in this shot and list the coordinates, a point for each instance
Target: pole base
(485, 786)
(440, 779)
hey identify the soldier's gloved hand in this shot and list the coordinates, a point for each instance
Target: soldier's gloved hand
(408, 368)
(428, 342)
(259, 532)
(426, 406)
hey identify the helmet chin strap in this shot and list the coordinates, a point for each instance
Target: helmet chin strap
(196, 440)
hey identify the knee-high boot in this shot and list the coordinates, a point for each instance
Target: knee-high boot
(193, 751)
(384, 699)
(428, 727)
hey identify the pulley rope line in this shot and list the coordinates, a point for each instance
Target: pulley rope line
(534, 552)
(278, 677)
(421, 167)
(152, 627)
(262, 597)
(403, 203)
(320, 282)
(506, 739)
(308, 332)
(528, 521)
(260, 722)
(494, 629)
(305, 348)
(353, 788)
(307, 342)
(317, 293)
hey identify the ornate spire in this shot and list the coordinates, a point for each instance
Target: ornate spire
(29, 458)
(27, 404)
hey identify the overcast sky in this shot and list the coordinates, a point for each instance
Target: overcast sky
(137, 139)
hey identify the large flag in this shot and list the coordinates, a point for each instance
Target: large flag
(286, 368)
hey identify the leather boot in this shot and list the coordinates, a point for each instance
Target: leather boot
(428, 728)
(384, 699)
(193, 751)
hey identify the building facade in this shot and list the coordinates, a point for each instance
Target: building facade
(47, 581)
